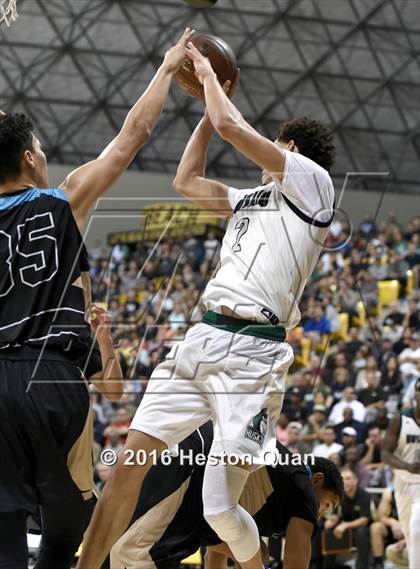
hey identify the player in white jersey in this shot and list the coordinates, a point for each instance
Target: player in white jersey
(231, 367)
(401, 450)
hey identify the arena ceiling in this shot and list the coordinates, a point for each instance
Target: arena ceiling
(76, 67)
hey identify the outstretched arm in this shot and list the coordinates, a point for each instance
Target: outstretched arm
(230, 124)
(109, 381)
(298, 549)
(89, 182)
(190, 179)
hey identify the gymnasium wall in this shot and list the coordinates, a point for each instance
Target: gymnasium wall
(119, 211)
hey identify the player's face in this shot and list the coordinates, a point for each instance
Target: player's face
(328, 501)
(40, 164)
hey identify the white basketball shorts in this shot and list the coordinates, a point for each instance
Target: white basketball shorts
(235, 379)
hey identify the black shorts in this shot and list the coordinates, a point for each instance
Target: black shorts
(45, 430)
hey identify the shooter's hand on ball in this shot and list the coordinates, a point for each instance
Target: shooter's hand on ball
(202, 64)
(175, 56)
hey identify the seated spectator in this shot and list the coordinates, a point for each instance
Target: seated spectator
(176, 318)
(352, 462)
(367, 227)
(360, 359)
(337, 359)
(371, 456)
(102, 472)
(281, 430)
(348, 438)
(371, 366)
(317, 323)
(315, 425)
(412, 257)
(393, 314)
(368, 289)
(98, 428)
(353, 343)
(381, 419)
(387, 351)
(350, 423)
(378, 270)
(397, 267)
(412, 318)
(354, 514)
(340, 381)
(391, 380)
(129, 276)
(331, 312)
(347, 298)
(322, 393)
(118, 429)
(387, 529)
(402, 341)
(131, 305)
(409, 358)
(316, 366)
(347, 401)
(295, 444)
(372, 396)
(329, 445)
(294, 407)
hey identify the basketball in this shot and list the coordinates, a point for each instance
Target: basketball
(200, 3)
(221, 57)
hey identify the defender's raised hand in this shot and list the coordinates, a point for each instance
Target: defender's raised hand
(175, 56)
(201, 63)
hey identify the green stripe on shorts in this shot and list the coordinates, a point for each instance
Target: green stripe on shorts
(247, 327)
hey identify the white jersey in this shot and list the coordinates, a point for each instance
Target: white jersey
(272, 243)
(408, 448)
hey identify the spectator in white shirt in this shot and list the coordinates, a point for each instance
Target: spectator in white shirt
(409, 358)
(177, 317)
(347, 400)
(329, 446)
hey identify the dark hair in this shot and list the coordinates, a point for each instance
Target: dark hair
(314, 140)
(16, 136)
(332, 476)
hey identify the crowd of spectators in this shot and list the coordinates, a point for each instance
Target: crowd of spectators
(340, 396)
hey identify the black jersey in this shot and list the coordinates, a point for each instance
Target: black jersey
(41, 255)
(292, 496)
(169, 525)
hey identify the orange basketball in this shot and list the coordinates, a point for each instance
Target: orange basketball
(221, 57)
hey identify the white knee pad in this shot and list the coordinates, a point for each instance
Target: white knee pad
(222, 488)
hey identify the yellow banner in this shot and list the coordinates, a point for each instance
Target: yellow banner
(168, 219)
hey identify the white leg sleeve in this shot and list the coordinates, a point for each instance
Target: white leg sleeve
(222, 488)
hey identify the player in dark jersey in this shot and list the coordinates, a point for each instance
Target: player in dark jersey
(168, 524)
(44, 330)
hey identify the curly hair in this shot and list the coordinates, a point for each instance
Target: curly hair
(16, 136)
(313, 139)
(332, 476)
